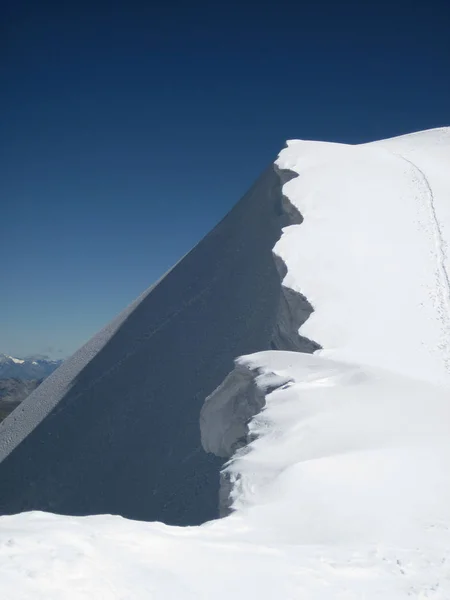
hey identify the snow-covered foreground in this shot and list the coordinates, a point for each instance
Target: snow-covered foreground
(110, 558)
(339, 476)
(343, 493)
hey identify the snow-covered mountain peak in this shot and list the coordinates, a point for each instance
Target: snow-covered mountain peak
(328, 395)
(26, 368)
(17, 361)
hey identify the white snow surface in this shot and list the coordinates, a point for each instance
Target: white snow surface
(342, 490)
(372, 253)
(344, 493)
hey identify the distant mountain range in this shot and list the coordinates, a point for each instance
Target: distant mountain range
(19, 377)
(27, 368)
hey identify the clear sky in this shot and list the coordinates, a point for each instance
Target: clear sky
(128, 129)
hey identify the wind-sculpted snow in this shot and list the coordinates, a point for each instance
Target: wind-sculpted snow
(293, 309)
(365, 247)
(346, 453)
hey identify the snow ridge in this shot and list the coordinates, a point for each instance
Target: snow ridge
(294, 308)
(227, 414)
(339, 476)
(228, 411)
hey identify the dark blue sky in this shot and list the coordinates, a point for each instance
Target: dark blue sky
(129, 129)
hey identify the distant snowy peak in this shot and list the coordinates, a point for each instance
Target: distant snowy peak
(371, 255)
(17, 361)
(30, 367)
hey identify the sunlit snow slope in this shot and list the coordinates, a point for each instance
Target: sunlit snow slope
(338, 478)
(372, 253)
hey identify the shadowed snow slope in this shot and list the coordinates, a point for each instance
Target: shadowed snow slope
(339, 462)
(116, 428)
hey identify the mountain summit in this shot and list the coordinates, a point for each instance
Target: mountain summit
(302, 349)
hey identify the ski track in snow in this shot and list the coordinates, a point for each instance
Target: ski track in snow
(442, 276)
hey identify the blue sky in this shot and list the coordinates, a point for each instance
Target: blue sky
(129, 129)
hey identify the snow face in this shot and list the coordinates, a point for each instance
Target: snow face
(345, 453)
